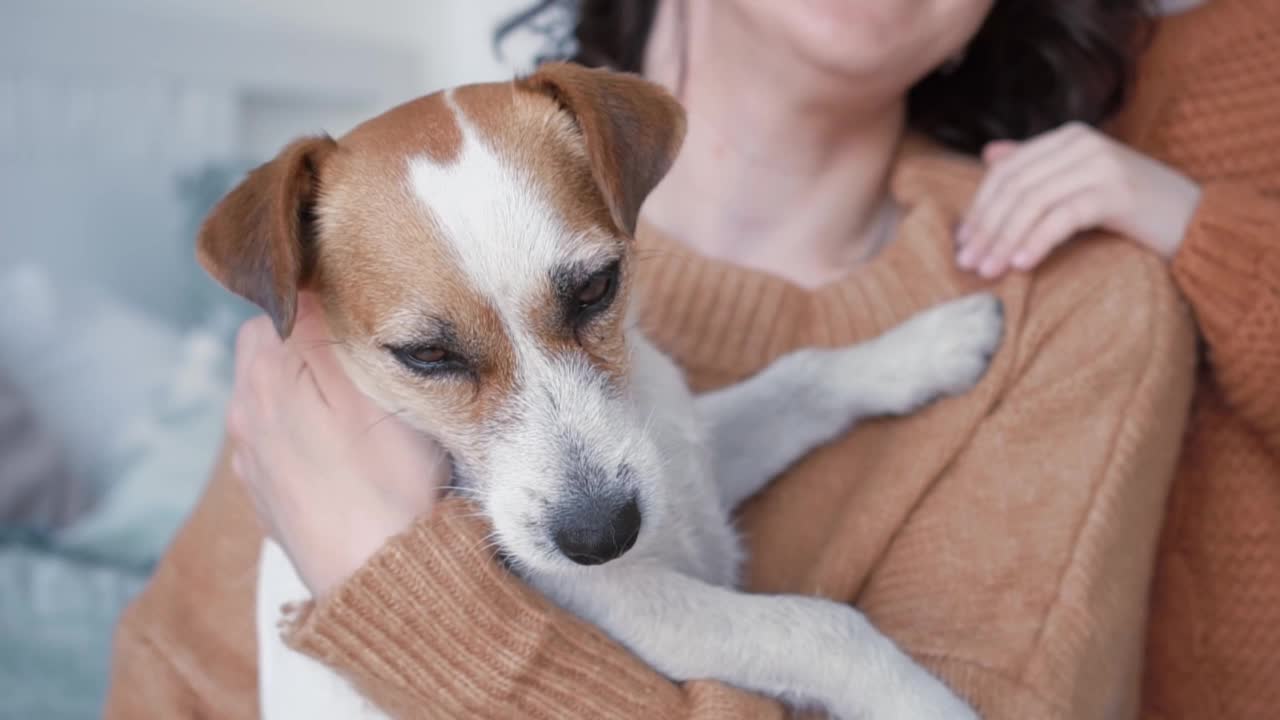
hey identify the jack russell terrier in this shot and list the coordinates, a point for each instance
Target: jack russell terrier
(473, 253)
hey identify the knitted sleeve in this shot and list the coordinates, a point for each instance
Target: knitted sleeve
(1040, 534)
(1229, 269)
(185, 646)
(1218, 124)
(434, 626)
(144, 683)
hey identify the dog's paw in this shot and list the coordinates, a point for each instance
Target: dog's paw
(959, 339)
(944, 350)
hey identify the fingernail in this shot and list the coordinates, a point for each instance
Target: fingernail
(966, 258)
(990, 268)
(962, 234)
(1022, 261)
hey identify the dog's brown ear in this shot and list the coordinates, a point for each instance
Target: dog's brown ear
(258, 240)
(632, 127)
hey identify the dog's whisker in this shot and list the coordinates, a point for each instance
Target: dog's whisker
(478, 546)
(463, 490)
(648, 422)
(488, 545)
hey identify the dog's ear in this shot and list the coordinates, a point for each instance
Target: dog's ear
(632, 127)
(258, 240)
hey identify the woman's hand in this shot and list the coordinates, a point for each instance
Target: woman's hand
(1039, 193)
(332, 476)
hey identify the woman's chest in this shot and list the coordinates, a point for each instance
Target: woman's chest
(823, 526)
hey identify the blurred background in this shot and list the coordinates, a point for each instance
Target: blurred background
(121, 123)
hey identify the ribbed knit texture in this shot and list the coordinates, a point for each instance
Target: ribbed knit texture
(1209, 104)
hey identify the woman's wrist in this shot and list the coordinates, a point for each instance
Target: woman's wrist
(1170, 215)
(327, 572)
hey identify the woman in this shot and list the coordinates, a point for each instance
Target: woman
(1004, 538)
(1207, 103)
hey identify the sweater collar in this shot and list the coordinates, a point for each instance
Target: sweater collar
(723, 322)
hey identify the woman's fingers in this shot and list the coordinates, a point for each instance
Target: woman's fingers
(1040, 193)
(998, 150)
(1011, 197)
(321, 372)
(237, 463)
(1058, 197)
(1063, 221)
(1027, 197)
(248, 339)
(255, 338)
(1007, 165)
(244, 468)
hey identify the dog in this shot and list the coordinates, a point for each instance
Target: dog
(472, 250)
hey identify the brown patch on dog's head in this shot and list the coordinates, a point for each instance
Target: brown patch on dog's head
(632, 128)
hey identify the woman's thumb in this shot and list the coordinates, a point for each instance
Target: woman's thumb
(998, 150)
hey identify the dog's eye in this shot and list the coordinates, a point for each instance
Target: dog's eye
(427, 355)
(428, 359)
(595, 293)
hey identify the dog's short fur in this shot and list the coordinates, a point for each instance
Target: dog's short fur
(472, 250)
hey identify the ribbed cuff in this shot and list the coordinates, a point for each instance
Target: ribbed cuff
(718, 321)
(431, 613)
(1221, 256)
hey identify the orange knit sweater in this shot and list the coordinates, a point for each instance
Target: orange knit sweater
(1005, 538)
(1209, 104)
(944, 561)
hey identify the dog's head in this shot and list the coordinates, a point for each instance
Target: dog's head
(472, 250)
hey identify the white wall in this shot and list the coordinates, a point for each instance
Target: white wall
(104, 104)
(459, 42)
(453, 36)
(395, 22)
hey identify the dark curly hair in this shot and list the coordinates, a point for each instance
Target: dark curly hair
(1032, 66)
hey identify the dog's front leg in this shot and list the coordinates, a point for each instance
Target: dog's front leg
(761, 426)
(803, 650)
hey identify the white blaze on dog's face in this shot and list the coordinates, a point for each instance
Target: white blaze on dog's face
(472, 250)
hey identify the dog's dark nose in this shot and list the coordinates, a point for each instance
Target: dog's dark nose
(595, 532)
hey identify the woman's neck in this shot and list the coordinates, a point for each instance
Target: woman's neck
(773, 174)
